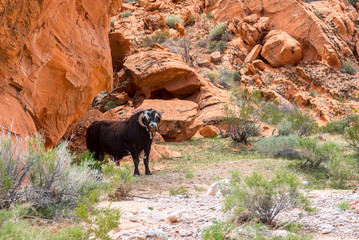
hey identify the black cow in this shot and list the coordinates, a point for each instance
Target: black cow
(122, 138)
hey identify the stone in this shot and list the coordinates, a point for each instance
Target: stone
(259, 64)
(215, 57)
(209, 131)
(48, 54)
(175, 217)
(281, 49)
(183, 233)
(253, 54)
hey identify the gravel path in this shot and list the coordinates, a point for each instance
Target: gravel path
(184, 217)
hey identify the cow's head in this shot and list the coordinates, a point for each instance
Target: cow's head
(149, 119)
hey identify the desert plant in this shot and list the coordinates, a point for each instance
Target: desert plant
(216, 231)
(218, 46)
(112, 23)
(13, 169)
(126, 14)
(212, 75)
(110, 105)
(99, 220)
(344, 205)
(209, 15)
(189, 175)
(181, 190)
(281, 146)
(172, 19)
(55, 185)
(243, 123)
(121, 181)
(348, 67)
(315, 152)
(219, 32)
(272, 113)
(158, 37)
(353, 2)
(302, 123)
(336, 126)
(258, 197)
(87, 158)
(352, 134)
(285, 128)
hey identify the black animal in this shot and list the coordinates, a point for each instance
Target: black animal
(122, 138)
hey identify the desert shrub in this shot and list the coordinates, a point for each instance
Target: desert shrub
(110, 105)
(227, 77)
(87, 158)
(353, 2)
(315, 152)
(209, 15)
(352, 134)
(112, 23)
(285, 128)
(121, 181)
(13, 169)
(172, 19)
(219, 32)
(159, 37)
(126, 14)
(281, 146)
(99, 220)
(302, 123)
(261, 198)
(348, 67)
(212, 75)
(272, 113)
(344, 205)
(55, 185)
(218, 46)
(181, 190)
(243, 123)
(216, 231)
(336, 126)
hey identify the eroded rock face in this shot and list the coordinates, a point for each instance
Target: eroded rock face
(156, 70)
(280, 49)
(55, 57)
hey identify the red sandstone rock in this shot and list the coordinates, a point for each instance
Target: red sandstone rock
(209, 131)
(55, 57)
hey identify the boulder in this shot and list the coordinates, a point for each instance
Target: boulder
(215, 57)
(280, 49)
(159, 72)
(209, 131)
(120, 48)
(55, 57)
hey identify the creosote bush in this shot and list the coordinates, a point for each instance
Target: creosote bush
(348, 67)
(13, 169)
(352, 134)
(172, 19)
(279, 146)
(258, 197)
(219, 32)
(121, 180)
(55, 185)
(159, 37)
(126, 14)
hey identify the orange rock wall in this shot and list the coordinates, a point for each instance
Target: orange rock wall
(54, 58)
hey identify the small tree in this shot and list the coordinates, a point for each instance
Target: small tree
(244, 122)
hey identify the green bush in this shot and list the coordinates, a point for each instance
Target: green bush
(112, 23)
(99, 220)
(257, 197)
(13, 169)
(285, 128)
(315, 152)
(218, 46)
(243, 124)
(121, 181)
(348, 67)
(87, 158)
(352, 134)
(126, 14)
(172, 19)
(271, 113)
(344, 205)
(217, 231)
(219, 32)
(302, 122)
(55, 185)
(281, 146)
(335, 127)
(212, 75)
(159, 37)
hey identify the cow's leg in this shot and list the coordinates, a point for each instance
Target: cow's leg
(147, 156)
(136, 161)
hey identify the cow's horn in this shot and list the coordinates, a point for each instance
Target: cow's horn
(140, 120)
(160, 114)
